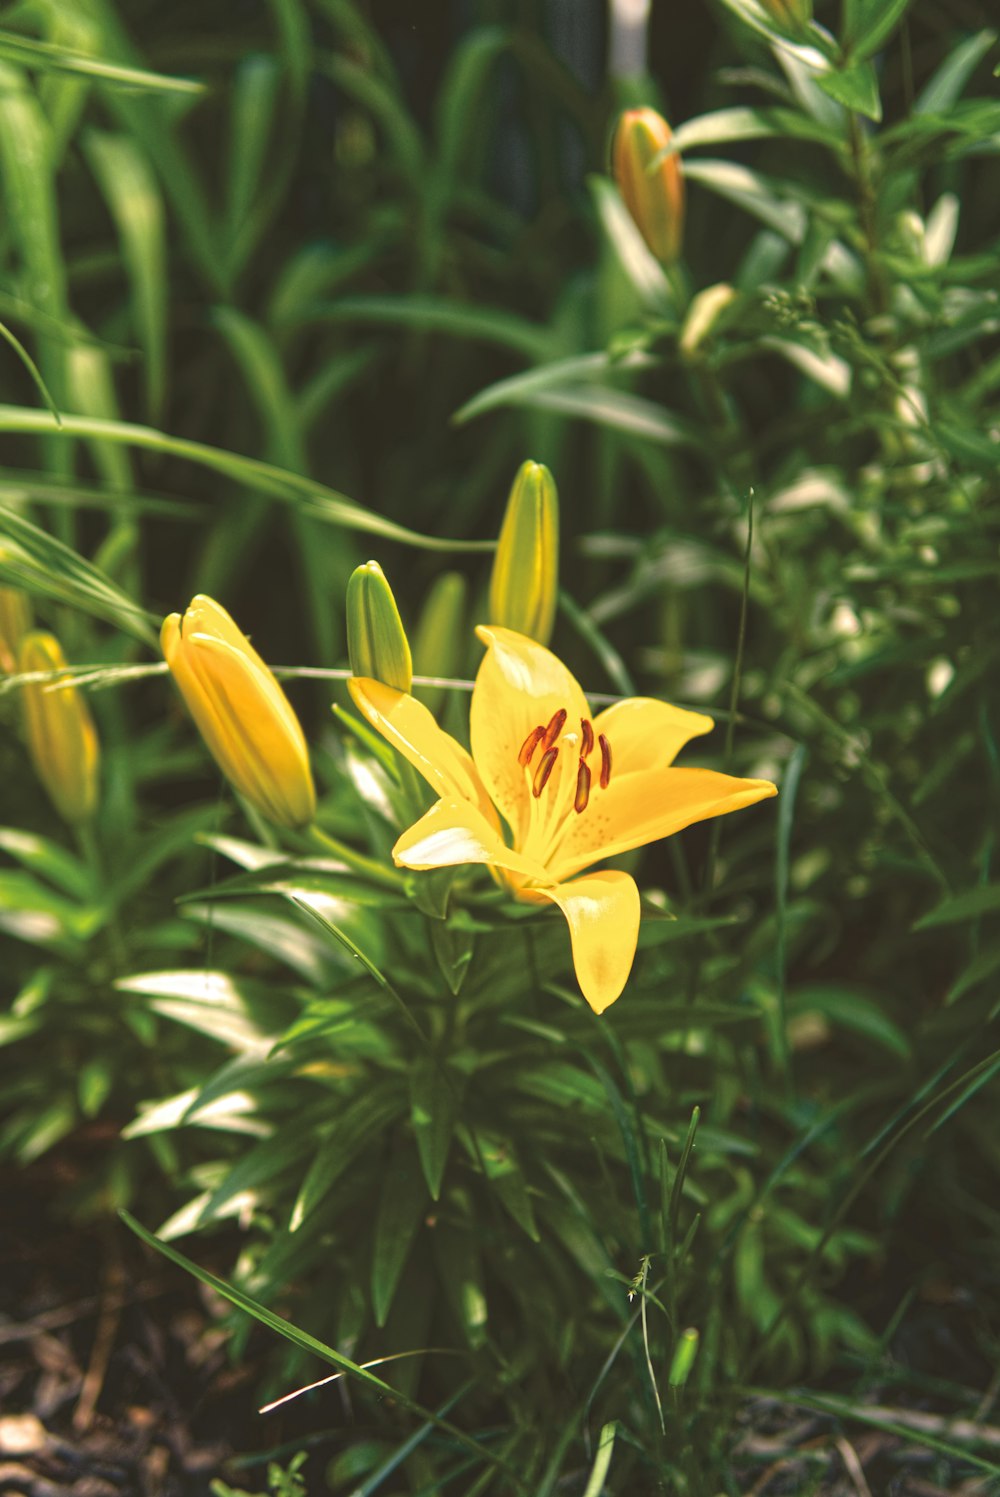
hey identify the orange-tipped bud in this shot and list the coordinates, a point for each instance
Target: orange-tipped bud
(651, 183)
(59, 731)
(241, 712)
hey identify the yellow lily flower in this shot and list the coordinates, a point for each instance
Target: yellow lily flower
(571, 789)
(241, 712)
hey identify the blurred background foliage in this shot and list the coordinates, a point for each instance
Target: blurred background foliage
(307, 280)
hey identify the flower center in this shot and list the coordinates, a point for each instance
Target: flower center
(545, 736)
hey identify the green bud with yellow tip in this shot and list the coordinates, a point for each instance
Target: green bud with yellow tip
(790, 15)
(15, 622)
(651, 180)
(525, 581)
(59, 730)
(376, 640)
(439, 642)
(242, 713)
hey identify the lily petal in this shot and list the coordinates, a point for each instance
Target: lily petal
(520, 686)
(647, 734)
(643, 807)
(453, 832)
(412, 729)
(602, 911)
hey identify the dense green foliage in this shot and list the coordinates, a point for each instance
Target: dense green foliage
(289, 284)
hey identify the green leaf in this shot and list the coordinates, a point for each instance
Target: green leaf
(875, 20)
(312, 497)
(754, 193)
(46, 57)
(855, 87)
(434, 1106)
(638, 264)
(460, 1267)
(520, 389)
(133, 196)
(852, 1008)
(438, 314)
(42, 565)
(498, 1157)
(944, 87)
(402, 1203)
(308, 1343)
(48, 859)
(233, 1010)
(31, 911)
(984, 900)
(362, 1122)
(724, 125)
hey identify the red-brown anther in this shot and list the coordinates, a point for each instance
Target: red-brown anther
(582, 788)
(587, 729)
(546, 764)
(529, 745)
(605, 761)
(556, 724)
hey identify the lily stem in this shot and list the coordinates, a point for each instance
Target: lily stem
(370, 867)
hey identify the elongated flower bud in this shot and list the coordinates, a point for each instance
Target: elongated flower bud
(652, 189)
(439, 643)
(241, 712)
(59, 731)
(15, 621)
(525, 581)
(376, 640)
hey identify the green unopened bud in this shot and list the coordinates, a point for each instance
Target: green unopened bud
(791, 15)
(651, 180)
(59, 730)
(439, 643)
(525, 580)
(376, 640)
(15, 621)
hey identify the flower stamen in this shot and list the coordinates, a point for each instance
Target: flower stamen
(546, 764)
(605, 761)
(527, 749)
(582, 788)
(556, 724)
(587, 730)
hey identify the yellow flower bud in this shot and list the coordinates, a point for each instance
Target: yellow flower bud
(652, 189)
(59, 731)
(241, 712)
(525, 580)
(439, 643)
(15, 621)
(376, 640)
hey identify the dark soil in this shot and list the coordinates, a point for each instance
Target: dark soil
(114, 1373)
